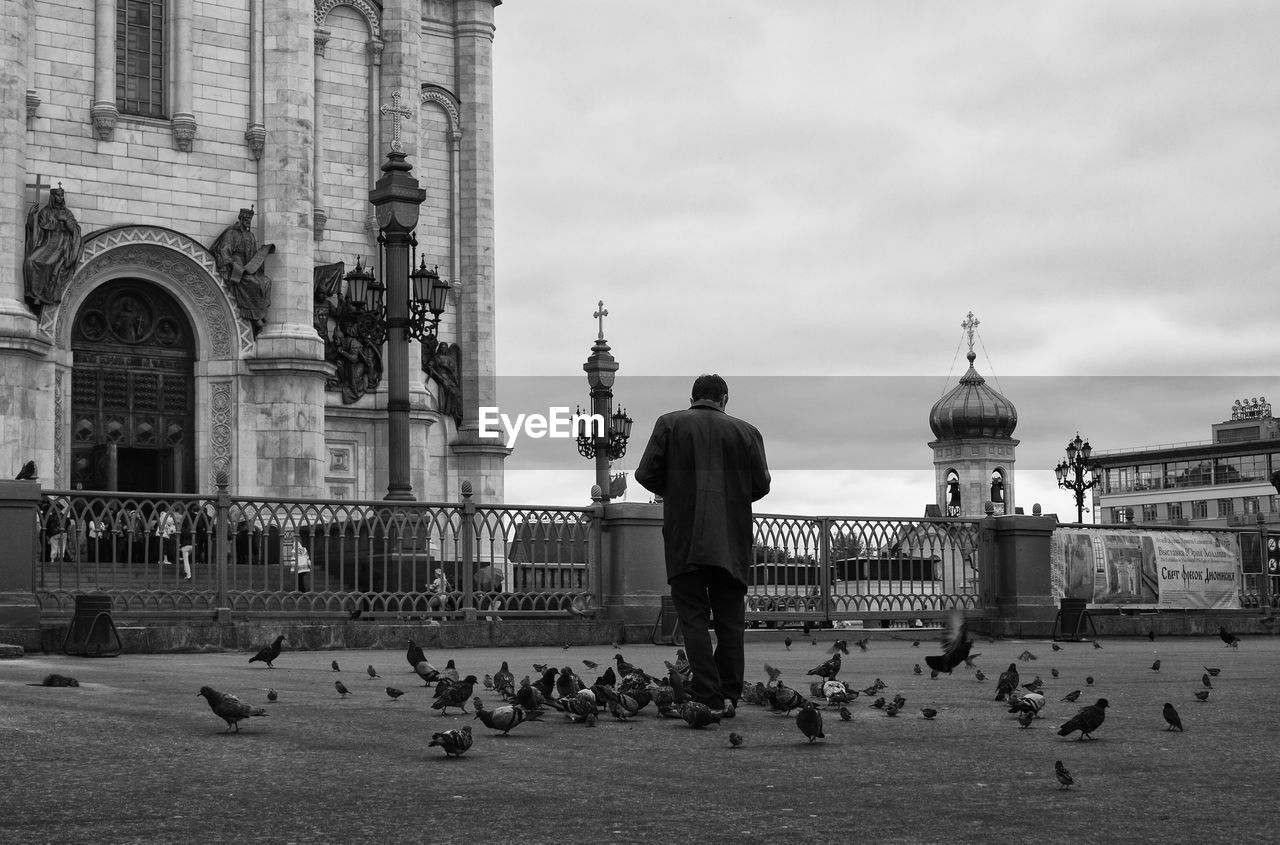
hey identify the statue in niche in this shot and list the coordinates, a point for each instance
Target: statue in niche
(239, 260)
(443, 363)
(53, 250)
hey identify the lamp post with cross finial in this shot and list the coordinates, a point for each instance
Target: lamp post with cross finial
(1071, 472)
(396, 199)
(608, 432)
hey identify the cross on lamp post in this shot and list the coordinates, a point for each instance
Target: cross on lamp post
(1071, 472)
(606, 442)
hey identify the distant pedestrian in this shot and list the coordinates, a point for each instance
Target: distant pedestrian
(708, 467)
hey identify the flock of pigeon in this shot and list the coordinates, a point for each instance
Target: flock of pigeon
(625, 691)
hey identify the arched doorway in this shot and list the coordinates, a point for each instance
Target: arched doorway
(132, 396)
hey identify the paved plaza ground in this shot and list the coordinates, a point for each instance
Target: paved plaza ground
(134, 755)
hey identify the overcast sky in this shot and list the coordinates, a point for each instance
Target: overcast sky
(809, 197)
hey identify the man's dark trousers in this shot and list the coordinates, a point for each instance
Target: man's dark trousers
(710, 596)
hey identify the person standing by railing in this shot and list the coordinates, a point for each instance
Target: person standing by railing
(708, 467)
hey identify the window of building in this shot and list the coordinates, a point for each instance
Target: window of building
(1200, 509)
(140, 57)
(1240, 469)
(1122, 514)
(1149, 513)
(1175, 510)
(1149, 477)
(1226, 507)
(1251, 504)
(1188, 474)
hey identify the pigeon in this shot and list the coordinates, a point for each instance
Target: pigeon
(455, 695)
(1056, 647)
(1204, 679)
(1026, 655)
(845, 714)
(980, 677)
(27, 473)
(915, 643)
(1071, 696)
(786, 641)
(878, 703)
(827, 669)
(624, 705)
(1033, 685)
(394, 693)
(1064, 776)
(1007, 683)
(1213, 671)
(268, 654)
(624, 668)
(583, 606)
(1088, 720)
(272, 695)
(341, 688)
(1025, 718)
(373, 673)
(774, 674)
(784, 699)
(428, 673)
(735, 740)
(916, 670)
(334, 666)
(1088, 680)
(1171, 716)
(698, 715)
(450, 671)
(502, 718)
(414, 654)
(56, 680)
(1155, 667)
(928, 712)
(229, 708)
(891, 709)
(590, 664)
(862, 644)
(1032, 702)
(504, 682)
(843, 645)
(1228, 637)
(567, 683)
(1053, 672)
(1202, 695)
(933, 674)
(955, 645)
(454, 742)
(809, 721)
(1151, 635)
(1097, 645)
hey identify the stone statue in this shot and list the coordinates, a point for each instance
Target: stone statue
(53, 250)
(356, 360)
(239, 260)
(443, 363)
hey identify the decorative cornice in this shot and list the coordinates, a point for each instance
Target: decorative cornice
(321, 38)
(104, 116)
(255, 135)
(184, 131)
(33, 103)
(319, 217)
(366, 9)
(183, 266)
(448, 103)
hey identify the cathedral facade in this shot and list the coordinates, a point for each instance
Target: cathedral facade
(186, 200)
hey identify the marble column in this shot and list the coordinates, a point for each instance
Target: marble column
(284, 446)
(480, 461)
(25, 378)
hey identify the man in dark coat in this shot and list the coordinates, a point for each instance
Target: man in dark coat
(708, 467)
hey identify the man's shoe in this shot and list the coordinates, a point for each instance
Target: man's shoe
(728, 711)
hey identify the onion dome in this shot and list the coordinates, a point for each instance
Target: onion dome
(973, 409)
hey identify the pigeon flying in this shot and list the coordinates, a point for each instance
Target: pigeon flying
(955, 646)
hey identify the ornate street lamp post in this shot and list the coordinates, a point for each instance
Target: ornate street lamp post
(1071, 472)
(606, 442)
(409, 306)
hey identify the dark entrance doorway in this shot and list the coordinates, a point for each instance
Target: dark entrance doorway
(132, 396)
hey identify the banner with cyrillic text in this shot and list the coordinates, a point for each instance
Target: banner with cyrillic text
(1157, 569)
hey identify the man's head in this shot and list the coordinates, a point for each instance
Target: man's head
(710, 388)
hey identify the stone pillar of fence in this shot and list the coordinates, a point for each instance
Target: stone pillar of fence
(1023, 595)
(633, 571)
(19, 503)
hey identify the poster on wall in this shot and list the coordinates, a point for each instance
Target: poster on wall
(1158, 569)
